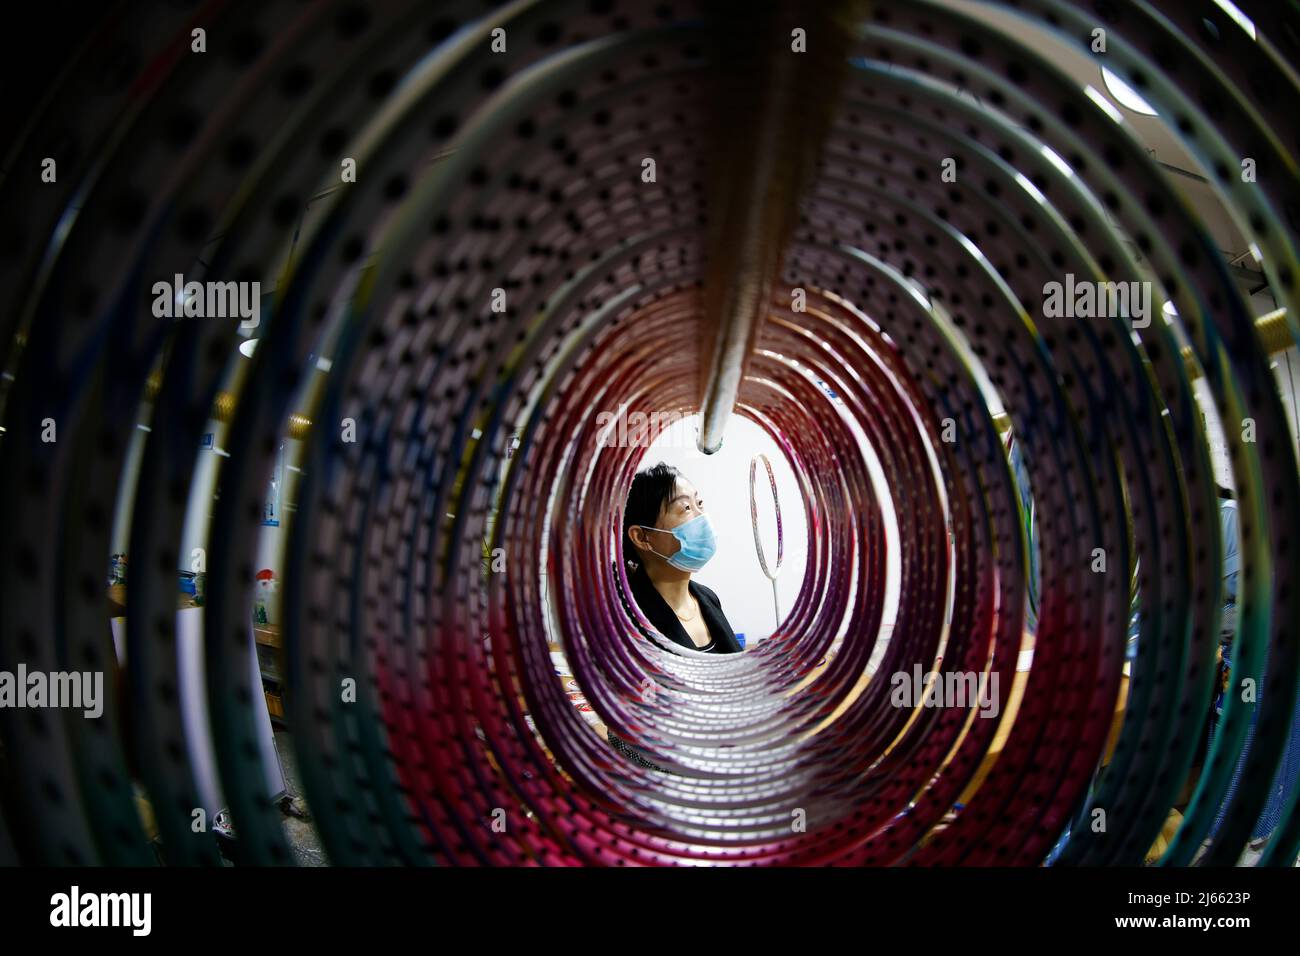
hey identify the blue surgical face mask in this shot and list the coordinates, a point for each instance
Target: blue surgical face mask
(697, 543)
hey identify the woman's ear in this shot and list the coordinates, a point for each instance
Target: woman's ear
(637, 537)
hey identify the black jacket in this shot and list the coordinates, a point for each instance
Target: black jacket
(658, 613)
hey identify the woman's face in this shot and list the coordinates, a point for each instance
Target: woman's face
(685, 504)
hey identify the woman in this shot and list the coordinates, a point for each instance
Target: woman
(667, 537)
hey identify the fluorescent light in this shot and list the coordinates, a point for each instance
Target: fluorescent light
(1125, 94)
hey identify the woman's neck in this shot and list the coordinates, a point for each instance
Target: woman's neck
(671, 583)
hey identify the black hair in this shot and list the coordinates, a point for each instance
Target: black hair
(1225, 493)
(651, 490)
